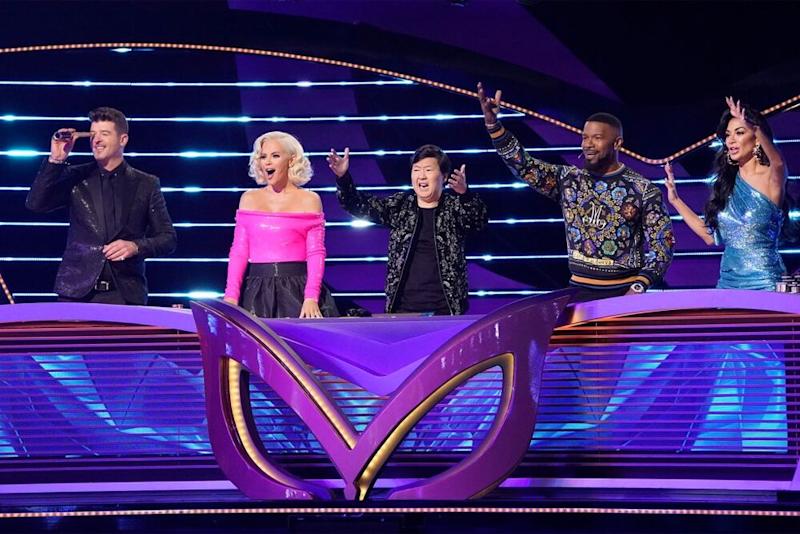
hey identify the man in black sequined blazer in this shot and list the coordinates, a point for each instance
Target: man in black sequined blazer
(426, 268)
(117, 214)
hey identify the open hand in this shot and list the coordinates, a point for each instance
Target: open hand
(672, 189)
(737, 111)
(489, 106)
(339, 164)
(458, 180)
(310, 310)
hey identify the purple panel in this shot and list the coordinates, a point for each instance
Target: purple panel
(356, 276)
(694, 271)
(481, 277)
(482, 305)
(686, 300)
(687, 240)
(786, 125)
(180, 319)
(521, 32)
(694, 194)
(356, 349)
(348, 241)
(553, 135)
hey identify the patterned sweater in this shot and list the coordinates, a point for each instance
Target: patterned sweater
(617, 227)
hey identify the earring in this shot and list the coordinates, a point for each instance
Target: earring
(728, 159)
(761, 157)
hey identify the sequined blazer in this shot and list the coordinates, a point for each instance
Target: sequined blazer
(143, 219)
(456, 216)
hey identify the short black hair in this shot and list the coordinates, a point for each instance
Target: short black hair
(433, 151)
(112, 115)
(606, 118)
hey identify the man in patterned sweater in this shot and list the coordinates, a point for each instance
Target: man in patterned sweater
(619, 234)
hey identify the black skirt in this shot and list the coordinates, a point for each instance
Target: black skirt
(276, 290)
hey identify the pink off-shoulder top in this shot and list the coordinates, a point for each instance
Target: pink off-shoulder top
(264, 237)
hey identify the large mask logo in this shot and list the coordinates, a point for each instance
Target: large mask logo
(234, 344)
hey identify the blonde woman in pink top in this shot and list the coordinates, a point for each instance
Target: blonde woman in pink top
(280, 233)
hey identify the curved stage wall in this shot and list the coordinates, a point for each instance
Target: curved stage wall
(679, 390)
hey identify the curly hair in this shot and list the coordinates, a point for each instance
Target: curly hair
(724, 171)
(300, 170)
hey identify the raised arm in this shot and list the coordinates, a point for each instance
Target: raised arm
(692, 220)
(355, 202)
(472, 211)
(777, 166)
(543, 177)
(54, 181)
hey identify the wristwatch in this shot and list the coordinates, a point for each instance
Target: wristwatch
(638, 287)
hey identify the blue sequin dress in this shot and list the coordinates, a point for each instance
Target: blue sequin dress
(749, 227)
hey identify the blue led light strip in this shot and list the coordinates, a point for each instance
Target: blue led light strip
(356, 223)
(207, 294)
(327, 189)
(246, 119)
(332, 189)
(372, 259)
(31, 153)
(253, 84)
(130, 46)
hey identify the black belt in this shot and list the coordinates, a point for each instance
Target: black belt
(105, 279)
(103, 286)
(283, 268)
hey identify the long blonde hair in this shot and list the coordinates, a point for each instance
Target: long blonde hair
(300, 170)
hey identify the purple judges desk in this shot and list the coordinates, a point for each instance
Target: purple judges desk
(671, 391)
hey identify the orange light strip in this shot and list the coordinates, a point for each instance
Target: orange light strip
(408, 510)
(9, 296)
(376, 70)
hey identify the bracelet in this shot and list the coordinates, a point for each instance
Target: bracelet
(56, 161)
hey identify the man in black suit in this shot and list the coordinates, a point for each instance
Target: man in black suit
(117, 214)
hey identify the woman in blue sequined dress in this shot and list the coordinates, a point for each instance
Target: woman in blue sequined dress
(746, 209)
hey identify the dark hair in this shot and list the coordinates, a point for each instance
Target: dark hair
(606, 118)
(112, 115)
(433, 151)
(725, 172)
